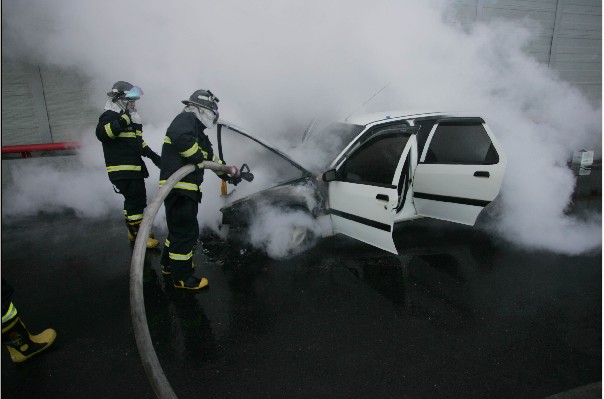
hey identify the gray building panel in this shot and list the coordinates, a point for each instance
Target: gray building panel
(577, 46)
(70, 112)
(20, 123)
(463, 12)
(44, 105)
(568, 36)
(581, 24)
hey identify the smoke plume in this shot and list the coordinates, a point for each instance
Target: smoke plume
(277, 65)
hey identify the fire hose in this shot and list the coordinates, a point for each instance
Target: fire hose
(153, 369)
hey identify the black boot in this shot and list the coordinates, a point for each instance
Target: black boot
(167, 270)
(21, 344)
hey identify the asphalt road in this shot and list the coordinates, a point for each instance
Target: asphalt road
(457, 314)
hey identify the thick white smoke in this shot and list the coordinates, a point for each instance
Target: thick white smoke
(276, 65)
(282, 233)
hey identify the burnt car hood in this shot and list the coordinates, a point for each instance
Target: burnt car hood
(302, 193)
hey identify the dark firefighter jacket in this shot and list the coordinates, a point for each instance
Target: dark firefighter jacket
(123, 148)
(186, 143)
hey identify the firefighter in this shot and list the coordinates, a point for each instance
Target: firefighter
(21, 344)
(120, 129)
(186, 143)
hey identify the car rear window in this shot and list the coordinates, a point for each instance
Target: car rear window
(461, 144)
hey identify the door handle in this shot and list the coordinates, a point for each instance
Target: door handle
(481, 173)
(382, 197)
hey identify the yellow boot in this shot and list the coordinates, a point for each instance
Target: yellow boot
(21, 344)
(133, 231)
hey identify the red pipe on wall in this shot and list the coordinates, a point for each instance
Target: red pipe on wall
(27, 149)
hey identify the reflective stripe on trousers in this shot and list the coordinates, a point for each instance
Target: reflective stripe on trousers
(174, 256)
(10, 313)
(133, 218)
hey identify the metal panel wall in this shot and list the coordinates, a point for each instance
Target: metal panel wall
(42, 104)
(70, 112)
(543, 12)
(577, 45)
(23, 121)
(568, 37)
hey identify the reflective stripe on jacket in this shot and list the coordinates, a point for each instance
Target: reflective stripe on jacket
(185, 143)
(123, 148)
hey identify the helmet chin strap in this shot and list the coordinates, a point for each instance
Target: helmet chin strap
(123, 104)
(119, 102)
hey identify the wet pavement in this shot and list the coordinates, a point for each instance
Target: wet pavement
(456, 314)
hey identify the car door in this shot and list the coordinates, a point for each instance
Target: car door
(460, 170)
(363, 195)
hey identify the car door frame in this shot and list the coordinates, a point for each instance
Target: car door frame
(457, 192)
(370, 217)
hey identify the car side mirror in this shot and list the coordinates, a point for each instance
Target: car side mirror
(330, 175)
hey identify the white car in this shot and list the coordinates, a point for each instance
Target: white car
(385, 168)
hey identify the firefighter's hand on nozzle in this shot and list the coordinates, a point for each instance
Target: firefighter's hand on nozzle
(242, 174)
(233, 171)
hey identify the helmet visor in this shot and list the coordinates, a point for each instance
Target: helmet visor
(133, 94)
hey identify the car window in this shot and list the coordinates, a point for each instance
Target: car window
(375, 161)
(381, 129)
(455, 143)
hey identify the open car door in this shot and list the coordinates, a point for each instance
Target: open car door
(363, 194)
(460, 170)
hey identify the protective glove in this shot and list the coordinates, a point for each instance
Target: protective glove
(125, 120)
(156, 159)
(232, 175)
(233, 172)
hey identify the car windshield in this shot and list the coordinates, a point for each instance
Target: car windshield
(331, 140)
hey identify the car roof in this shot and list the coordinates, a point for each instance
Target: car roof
(365, 119)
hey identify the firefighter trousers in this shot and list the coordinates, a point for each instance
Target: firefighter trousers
(7, 293)
(183, 232)
(135, 199)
